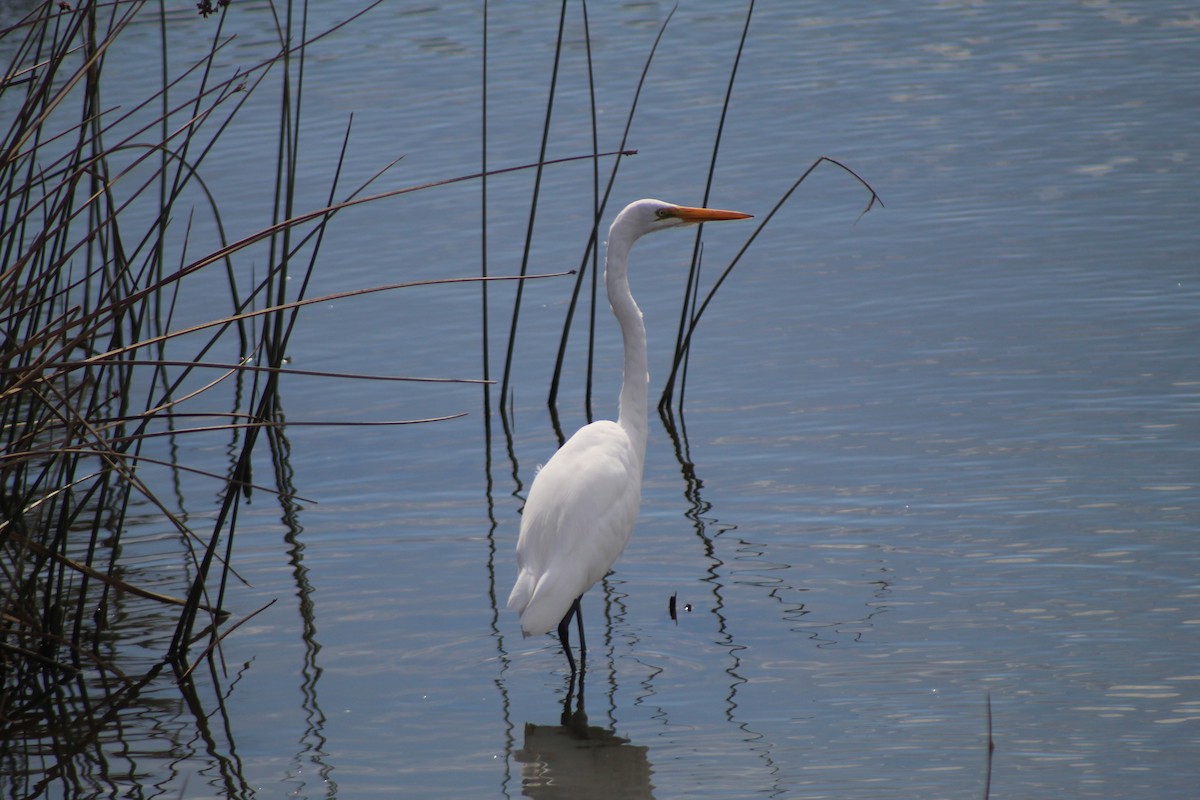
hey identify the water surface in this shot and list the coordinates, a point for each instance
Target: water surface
(943, 452)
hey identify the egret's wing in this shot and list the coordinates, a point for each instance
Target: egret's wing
(578, 518)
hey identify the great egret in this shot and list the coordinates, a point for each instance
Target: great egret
(584, 501)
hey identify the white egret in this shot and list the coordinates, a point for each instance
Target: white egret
(584, 501)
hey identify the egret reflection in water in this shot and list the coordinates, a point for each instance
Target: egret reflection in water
(580, 761)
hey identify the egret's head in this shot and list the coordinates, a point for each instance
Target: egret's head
(648, 216)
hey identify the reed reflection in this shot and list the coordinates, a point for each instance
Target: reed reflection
(313, 741)
(698, 510)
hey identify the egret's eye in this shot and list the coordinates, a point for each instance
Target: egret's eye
(661, 213)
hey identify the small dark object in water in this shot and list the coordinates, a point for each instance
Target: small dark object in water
(671, 608)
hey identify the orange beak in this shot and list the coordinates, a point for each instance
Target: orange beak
(689, 214)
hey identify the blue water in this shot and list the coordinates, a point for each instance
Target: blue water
(944, 452)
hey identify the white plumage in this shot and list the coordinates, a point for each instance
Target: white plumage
(595, 476)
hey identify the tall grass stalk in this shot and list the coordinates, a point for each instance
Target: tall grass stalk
(106, 225)
(591, 250)
(693, 278)
(88, 292)
(533, 203)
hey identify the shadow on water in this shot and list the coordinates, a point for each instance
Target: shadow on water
(574, 759)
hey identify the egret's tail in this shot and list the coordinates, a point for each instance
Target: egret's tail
(541, 602)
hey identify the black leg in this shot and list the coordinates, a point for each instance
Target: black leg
(564, 631)
(582, 641)
(564, 635)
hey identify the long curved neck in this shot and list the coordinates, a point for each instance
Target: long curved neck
(636, 380)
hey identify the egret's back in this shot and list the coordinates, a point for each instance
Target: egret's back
(580, 513)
